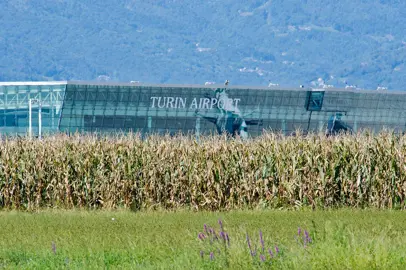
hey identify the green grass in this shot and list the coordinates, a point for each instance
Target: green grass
(342, 239)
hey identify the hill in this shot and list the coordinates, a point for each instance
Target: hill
(173, 41)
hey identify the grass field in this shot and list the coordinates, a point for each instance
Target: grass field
(340, 239)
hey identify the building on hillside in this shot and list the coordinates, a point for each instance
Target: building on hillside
(106, 107)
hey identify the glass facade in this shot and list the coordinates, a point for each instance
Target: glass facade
(14, 108)
(106, 107)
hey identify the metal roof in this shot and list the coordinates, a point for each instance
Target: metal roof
(33, 83)
(211, 86)
(242, 87)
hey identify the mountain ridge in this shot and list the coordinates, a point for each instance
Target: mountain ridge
(167, 41)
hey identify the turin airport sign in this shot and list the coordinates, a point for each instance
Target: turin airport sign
(195, 103)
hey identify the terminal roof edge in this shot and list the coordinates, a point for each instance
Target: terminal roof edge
(212, 86)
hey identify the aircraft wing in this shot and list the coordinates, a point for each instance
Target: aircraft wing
(210, 119)
(253, 122)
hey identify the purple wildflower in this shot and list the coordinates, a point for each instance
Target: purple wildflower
(299, 231)
(262, 257)
(227, 239)
(276, 249)
(308, 239)
(249, 246)
(211, 256)
(262, 241)
(221, 224)
(223, 236)
(201, 253)
(205, 229)
(270, 253)
(202, 236)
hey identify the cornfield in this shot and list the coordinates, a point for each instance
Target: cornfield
(214, 173)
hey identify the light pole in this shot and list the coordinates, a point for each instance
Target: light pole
(30, 101)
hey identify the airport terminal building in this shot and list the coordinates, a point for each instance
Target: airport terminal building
(106, 107)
